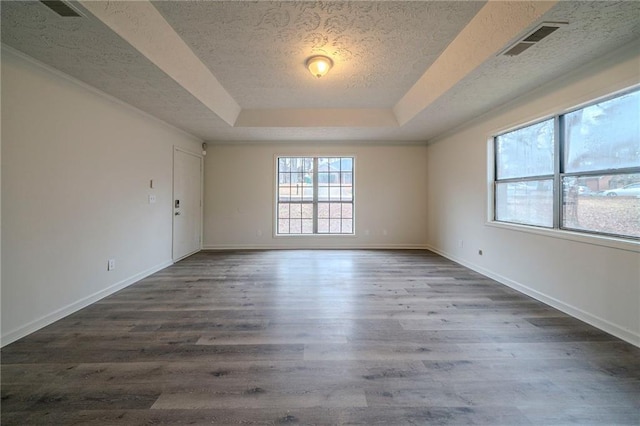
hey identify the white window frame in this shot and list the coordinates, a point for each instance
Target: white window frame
(557, 231)
(315, 202)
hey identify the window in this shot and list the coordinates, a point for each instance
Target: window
(524, 172)
(315, 195)
(578, 171)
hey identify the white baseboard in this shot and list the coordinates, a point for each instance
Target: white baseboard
(601, 323)
(58, 314)
(319, 246)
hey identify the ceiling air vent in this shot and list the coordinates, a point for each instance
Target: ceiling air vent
(542, 31)
(61, 8)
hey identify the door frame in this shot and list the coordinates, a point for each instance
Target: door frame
(173, 197)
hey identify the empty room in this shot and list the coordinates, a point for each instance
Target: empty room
(312, 212)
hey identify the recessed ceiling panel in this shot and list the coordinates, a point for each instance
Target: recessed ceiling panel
(257, 50)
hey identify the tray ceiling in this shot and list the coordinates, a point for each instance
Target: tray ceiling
(258, 50)
(405, 70)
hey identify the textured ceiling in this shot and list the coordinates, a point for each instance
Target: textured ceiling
(234, 70)
(593, 30)
(257, 50)
(89, 51)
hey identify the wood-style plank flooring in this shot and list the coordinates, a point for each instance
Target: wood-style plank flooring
(319, 337)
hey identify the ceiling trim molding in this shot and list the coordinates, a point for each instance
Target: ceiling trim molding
(496, 25)
(316, 143)
(141, 25)
(317, 117)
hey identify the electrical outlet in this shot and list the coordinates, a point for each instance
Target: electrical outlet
(152, 199)
(111, 264)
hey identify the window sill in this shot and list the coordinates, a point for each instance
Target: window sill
(597, 240)
(313, 235)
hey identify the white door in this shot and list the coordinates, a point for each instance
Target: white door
(187, 205)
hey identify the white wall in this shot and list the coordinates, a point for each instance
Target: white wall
(76, 167)
(593, 279)
(390, 188)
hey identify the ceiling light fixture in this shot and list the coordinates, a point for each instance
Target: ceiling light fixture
(319, 65)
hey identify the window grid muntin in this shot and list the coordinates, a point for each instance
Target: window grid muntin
(335, 225)
(559, 165)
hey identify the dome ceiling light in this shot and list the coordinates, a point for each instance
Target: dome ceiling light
(319, 65)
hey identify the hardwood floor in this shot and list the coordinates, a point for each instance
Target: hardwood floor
(319, 337)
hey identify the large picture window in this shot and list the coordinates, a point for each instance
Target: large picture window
(577, 171)
(315, 195)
